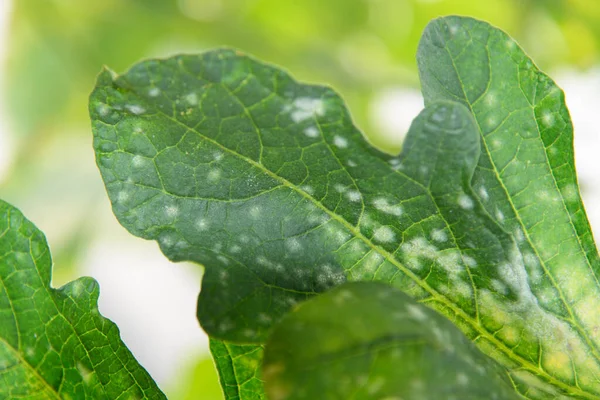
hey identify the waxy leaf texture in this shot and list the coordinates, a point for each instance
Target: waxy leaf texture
(230, 163)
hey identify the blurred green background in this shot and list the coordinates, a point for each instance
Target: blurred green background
(365, 49)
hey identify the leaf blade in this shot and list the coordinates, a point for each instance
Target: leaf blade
(371, 341)
(53, 342)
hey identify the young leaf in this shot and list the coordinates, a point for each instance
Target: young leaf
(239, 369)
(526, 180)
(54, 344)
(371, 341)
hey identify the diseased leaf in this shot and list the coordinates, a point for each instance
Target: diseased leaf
(366, 340)
(54, 344)
(526, 180)
(232, 164)
(239, 369)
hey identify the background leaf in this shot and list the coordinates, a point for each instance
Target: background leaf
(371, 341)
(239, 368)
(54, 344)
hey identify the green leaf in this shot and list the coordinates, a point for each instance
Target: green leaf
(54, 344)
(239, 369)
(367, 340)
(526, 180)
(231, 163)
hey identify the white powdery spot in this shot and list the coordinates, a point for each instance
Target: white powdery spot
(202, 224)
(351, 163)
(491, 99)
(191, 99)
(311, 132)
(469, 261)
(255, 212)
(547, 118)
(353, 195)
(135, 109)
(235, 249)
(340, 142)
(304, 108)
(383, 205)
(85, 373)
(223, 259)
(137, 161)
(462, 379)
(293, 245)
(214, 174)
(439, 235)
(519, 236)
(122, 196)
(465, 202)
(384, 234)
(308, 189)
(171, 211)
(416, 312)
(217, 156)
(154, 92)
(499, 215)
(339, 188)
(103, 109)
(483, 194)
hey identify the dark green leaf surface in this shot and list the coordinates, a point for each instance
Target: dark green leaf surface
(54, 344)
(239, 369)
(232, 164)
(370, 341)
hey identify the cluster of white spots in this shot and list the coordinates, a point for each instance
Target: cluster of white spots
(293, 245)
(483, 194)
(465, 202)
(351, 163)
(439, 235)
(255, 212)
(153, 92)
(340, 142)
(384, 205)
(353, 195)
(372, 262)
(499, 215)
(171, 211)
(311, 132)
(384, 234)
(191, 99)
(103, 109)
(304, 108)
(418, 248)
(214, 174)
(547, 118)
(135, 109)
(308, 189)
(416, 312)
(462, 288)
